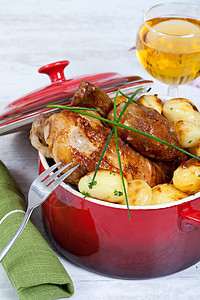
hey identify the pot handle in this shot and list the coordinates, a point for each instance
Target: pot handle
(189, 219)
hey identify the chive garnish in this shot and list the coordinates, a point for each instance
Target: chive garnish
(118, 154)
(112, 132)
(118, 193)
(92, 183)
(74, 107)
(116, 123)
(85, 194)
(128, 97)
(128, 128)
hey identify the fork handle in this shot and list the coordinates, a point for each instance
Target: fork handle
(16, 235)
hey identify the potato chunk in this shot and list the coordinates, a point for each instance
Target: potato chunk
(139, 193)
(119, 99)
(108, 186)
(151, 101)
(189, 133)
(166, 193)
(187, 176)
(181, 109)
(195, 150)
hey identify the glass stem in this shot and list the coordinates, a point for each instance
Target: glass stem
(172, 91)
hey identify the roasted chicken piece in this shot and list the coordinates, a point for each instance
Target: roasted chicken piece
(150, 121)
(90, 96)
(37, 135)
(81, 139)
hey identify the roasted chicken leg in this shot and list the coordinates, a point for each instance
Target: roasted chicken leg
(150, 121)
(90, 96)
(67, 136)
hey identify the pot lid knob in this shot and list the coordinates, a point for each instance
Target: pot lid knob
(55, 70)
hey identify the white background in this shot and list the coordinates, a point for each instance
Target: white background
(95, 37)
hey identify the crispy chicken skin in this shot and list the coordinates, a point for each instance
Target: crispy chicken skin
(90, 96)
(80, 139)
(150, 121)
(37, 135)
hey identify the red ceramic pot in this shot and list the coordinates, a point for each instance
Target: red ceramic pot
(156, 241)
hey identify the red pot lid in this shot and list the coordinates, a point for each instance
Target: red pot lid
(19, 114)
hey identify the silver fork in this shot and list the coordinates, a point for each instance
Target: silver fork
(39, 191)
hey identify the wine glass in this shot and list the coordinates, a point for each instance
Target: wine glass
(168, 43)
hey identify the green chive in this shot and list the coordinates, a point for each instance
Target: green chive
(112, 173)
(112, 132)
(118, 193)
(92, 183)
(85, 194)
(129, 98)
(118, 154)
(128, 128)
(74, 107)
(116, 123)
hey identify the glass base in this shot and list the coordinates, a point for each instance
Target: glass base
(172, 91)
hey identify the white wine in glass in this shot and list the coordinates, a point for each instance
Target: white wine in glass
(168, 43)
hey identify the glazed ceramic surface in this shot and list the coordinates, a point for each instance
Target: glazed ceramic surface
(156, 241)
(19, 114)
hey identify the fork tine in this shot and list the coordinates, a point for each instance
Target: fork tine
(51, 177)
(43, 175)
(54, 184)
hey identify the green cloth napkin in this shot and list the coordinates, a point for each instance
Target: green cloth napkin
(31, 265)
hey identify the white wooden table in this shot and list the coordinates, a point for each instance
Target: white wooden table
(95, 37)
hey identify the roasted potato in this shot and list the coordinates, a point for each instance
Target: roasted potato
(187, 176)
(181, 109)
(108, 186)
(151, 101)
(120, 99)
(189, 133)
(166, 193)
(195, 150)
(139, 193)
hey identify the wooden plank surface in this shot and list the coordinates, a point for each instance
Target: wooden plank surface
(96, 37)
